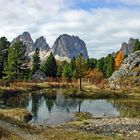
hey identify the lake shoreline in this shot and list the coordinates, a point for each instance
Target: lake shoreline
(71, 90)
(105, 128)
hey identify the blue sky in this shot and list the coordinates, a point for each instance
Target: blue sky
(90, 4)
(102, 24)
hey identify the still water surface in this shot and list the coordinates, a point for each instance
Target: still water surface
(56, 108)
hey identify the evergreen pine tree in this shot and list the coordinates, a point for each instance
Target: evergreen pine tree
(136, 45)
(50, 66)
(80, 69)
(100, 64)
(110, 65)
(4, 45)
(91, 63)
(73, 64)
(67, 72)
(17, 62)
(36, 61)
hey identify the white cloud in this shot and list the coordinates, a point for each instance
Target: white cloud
(126, 2)
(130, 2)
(103, 29)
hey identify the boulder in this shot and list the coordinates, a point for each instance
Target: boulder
(39, 76)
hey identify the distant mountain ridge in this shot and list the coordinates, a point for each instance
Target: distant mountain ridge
(65, 46)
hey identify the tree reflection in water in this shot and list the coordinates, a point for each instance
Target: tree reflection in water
(36, 100)
(16, 101)
(55, 108)
(49, 100)
(67, 103)
(127, 107)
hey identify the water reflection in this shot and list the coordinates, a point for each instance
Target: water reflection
(55, 108)
(127, 107)
(19, 101)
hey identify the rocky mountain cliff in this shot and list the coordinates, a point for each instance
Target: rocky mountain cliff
(65, 46)
(26, 39)
(69, 46)
(41, 44)
(130, 69)
(127, 48)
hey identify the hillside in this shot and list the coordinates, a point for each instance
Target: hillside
(128, 74)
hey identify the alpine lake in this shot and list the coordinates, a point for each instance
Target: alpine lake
(54, 108)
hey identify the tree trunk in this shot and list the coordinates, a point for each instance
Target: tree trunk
(80, 83)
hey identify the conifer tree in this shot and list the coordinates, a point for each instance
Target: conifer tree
(36, 61)
(50, 66)
(136, 45)
(4, 45)
(67, 72)
(17, 62)
(119, 59)
(73, 64)
(80, 69)
(110, 64)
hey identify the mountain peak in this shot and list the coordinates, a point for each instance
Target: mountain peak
(41, 44)
(69, 46)
(127, 48)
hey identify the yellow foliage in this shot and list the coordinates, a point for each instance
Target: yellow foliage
(119, 59)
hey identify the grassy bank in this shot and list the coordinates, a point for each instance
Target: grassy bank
(7, 135)
(89, 91)
(15, 115)
(62, 134)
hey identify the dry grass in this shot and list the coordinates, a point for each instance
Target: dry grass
(61, 134)
(15, 115)
(22, 86)
(6, 135)
(83, 116)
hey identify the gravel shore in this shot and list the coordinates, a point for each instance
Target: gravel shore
(128, 128)
(108, 126)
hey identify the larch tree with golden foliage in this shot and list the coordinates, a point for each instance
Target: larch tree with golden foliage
(119, 59)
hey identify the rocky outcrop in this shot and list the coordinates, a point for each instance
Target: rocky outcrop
(39, 76)
(41, 44)
(127, 48)
(69, 46)
(26, 39)
(130, 67)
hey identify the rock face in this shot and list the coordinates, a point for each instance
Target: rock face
(127, 48)
(130, 67)
(64, 48)
(41, 44)
(26, 39)
(39, 76)
(69, 46)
